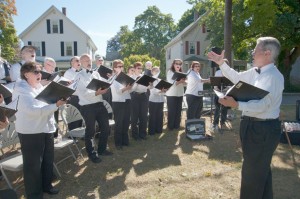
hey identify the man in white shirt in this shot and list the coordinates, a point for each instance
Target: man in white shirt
(260, 127)
(92, 110)
(71, 73)
(27, 54)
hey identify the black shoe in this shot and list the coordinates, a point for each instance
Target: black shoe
(52, 191)
(94, 158)
(106, 153)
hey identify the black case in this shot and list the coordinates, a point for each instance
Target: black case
(195, 129)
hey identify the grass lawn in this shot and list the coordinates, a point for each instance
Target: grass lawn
(171, 166)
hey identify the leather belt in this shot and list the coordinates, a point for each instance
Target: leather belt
(138, 93)
(254, 119)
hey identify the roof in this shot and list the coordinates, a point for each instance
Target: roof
(184, 32)
(48, 12)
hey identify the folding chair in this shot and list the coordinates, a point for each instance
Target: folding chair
(69, 114)
(13, 162)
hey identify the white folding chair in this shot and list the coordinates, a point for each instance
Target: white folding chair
(13, 162)
(69, 114)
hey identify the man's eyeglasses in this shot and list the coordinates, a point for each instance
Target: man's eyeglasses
(120, 66)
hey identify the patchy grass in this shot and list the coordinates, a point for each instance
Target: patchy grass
(171, 166)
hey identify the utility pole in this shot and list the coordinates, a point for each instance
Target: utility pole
(228, 31)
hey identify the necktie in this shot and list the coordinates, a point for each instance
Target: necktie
(89, 71)
(257, 70)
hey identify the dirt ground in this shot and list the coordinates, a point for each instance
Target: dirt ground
(171, 166)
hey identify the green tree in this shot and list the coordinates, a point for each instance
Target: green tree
(8, 37)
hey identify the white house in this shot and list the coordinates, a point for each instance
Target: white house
(56, 36)
(189, 45)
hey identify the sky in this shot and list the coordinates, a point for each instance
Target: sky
(100, 19)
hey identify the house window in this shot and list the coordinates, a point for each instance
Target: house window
(169, 54)
(38, 46)
(69, 48)
(192, 48)
(55, 26)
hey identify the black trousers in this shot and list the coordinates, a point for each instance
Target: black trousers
(156, 115)
(259, 141)
(38, 157)
(174, 105)
(218, 108)
(139, 112)
(195, 105)
(92, 113)
(122, 121)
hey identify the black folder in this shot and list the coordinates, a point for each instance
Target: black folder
(95, 84)
(124, 79)
(220, 81)
(162, 84)
(147, 72)
(145, 80)
(54, 92)
(6, 112)
(103, 71)
(5, 91)
(244, 92)
(49, 76)
(177, 76)
(64, 82)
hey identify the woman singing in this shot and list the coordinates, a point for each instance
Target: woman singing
(35, 125)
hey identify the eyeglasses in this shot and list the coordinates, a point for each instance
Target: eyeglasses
(36, 72)
(120, 66)
(77, 60)
(178, 64)
(139, 68)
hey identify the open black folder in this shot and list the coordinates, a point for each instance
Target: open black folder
(177, 76)
(124, 79)
(244, 92)
(95, 84)
(145, 80)
(5, 91)
(8, 110)
(54, 92)
(162, 84)
(103, 71)
(49, 76)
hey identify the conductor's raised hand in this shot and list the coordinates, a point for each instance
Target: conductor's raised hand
(229, 102)
(218, 59)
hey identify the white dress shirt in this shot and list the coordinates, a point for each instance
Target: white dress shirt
(15, 71)
(194, 84)
(270, 79)
(33, 116)
(87, 96)
(175, 90)
(117, 94)
(155, 94)
(2, 72)
(71, 73)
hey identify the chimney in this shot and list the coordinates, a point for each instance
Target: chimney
(196, 15)
(64, 11)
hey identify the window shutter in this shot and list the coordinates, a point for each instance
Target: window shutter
(29, 43)
(198, 47)
(62, 48)
(203, 28)
(43, 49)
(186, 47)
(75, 48)
(48, 26)
(61, 26)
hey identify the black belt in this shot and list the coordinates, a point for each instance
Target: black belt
(254, 119)
(139, 93)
